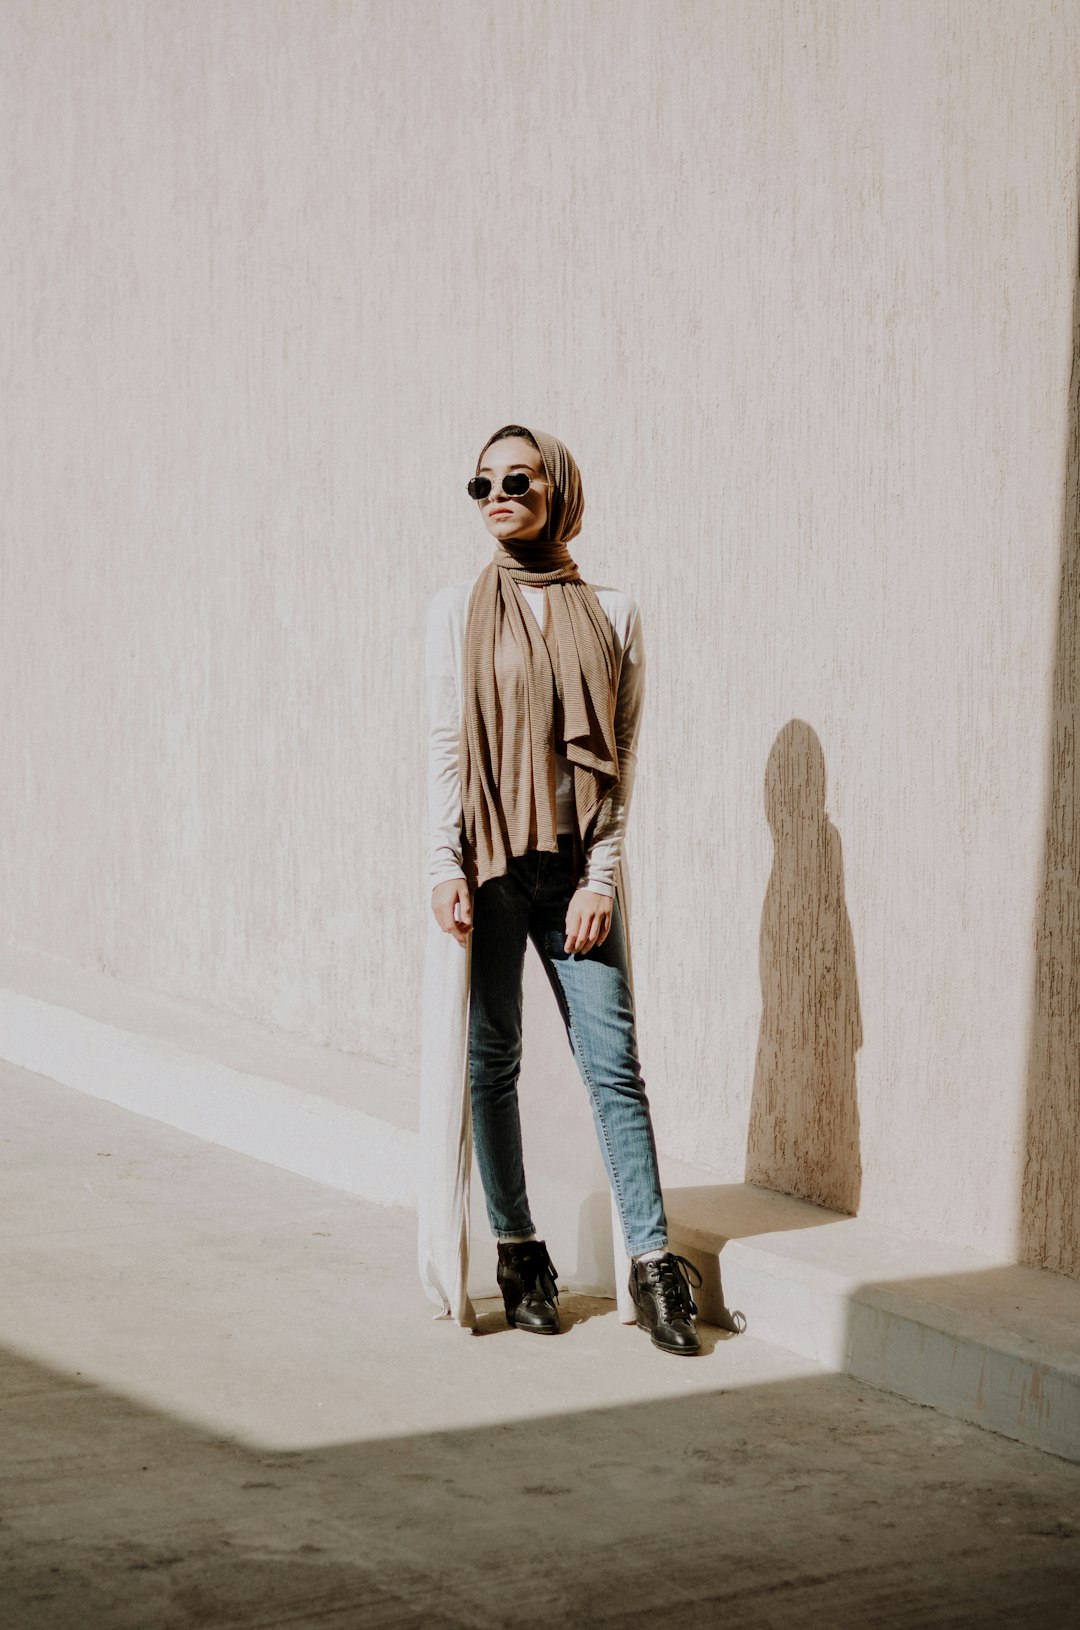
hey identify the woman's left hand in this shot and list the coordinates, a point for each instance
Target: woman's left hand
(588, 920)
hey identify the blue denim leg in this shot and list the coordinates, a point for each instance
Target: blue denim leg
(596, 1002)
(593, 992)
(501, 909)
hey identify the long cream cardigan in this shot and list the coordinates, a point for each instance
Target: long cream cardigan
(445, 1149)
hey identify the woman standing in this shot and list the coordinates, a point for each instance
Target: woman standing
(535, 686)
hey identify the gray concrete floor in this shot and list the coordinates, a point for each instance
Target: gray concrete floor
(224, 1402)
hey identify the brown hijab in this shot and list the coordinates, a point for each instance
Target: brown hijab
(532, 694)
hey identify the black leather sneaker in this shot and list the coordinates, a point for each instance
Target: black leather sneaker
(664, 1302)
(527, 1276)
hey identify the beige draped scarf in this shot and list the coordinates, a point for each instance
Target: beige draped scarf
(532, 694)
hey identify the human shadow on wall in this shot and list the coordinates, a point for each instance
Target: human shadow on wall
(803, 1137)
(1050, 1183)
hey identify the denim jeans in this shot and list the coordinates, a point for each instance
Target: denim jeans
(596, 1003)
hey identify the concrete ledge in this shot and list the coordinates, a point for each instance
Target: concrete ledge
(990, 1342)
(986, 1341)
(341, 1119)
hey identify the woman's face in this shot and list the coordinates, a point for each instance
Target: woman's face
(511, 517)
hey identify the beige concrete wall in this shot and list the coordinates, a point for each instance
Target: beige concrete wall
(795, 283)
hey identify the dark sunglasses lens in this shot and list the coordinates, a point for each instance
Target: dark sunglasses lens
(514, 486)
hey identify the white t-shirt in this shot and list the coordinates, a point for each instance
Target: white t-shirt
(565, 809)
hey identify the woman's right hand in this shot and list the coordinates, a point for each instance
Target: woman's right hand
(445, 898)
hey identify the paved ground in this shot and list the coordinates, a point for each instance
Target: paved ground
(224, 1402)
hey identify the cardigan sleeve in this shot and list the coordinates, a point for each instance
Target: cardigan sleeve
(444, 726)
(605, 848)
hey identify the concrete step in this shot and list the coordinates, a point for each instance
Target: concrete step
(987, 1341)
(984, 1340)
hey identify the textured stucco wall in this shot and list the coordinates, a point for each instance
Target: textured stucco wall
(1050, 1193)
(795, 282)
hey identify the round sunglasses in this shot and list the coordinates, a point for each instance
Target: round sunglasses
(514, 485)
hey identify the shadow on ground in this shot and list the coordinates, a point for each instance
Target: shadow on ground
(808, 1501)
(576, 1309)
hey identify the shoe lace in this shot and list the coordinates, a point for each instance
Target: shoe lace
(673, 1291)
(537, 1273)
